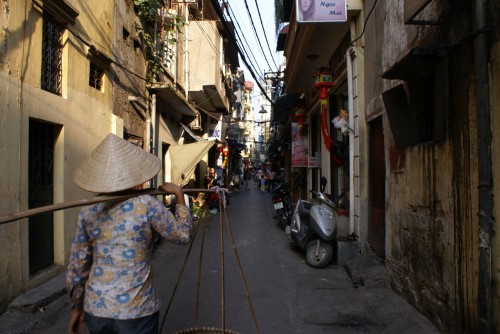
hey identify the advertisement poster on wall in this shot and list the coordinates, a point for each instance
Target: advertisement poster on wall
(319, 11)
(300, 154)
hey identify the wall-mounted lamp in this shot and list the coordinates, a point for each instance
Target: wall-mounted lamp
(137, 101)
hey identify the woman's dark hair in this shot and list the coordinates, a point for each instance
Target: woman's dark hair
(307, 14)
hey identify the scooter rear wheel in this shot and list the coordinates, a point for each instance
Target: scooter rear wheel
(281, 219)
(322, 258)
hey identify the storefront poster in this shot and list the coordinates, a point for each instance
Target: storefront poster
(321, 11)
(300, 152)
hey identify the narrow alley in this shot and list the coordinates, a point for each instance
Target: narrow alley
(287, 295)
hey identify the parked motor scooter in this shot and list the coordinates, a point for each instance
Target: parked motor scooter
(282, 204)
(314, 227)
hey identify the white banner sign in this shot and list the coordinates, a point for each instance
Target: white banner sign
(216, 133)
(309, 11)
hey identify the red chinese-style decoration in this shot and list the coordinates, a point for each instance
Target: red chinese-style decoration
(323, 80)
(300, 114)
(225, 150)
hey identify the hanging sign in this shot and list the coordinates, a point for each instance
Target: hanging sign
(300, 152)
(216, 133)
(318, 11)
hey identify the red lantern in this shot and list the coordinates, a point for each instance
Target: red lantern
(323, 79)
(300, 114)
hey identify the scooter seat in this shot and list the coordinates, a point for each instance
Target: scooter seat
(304, 209)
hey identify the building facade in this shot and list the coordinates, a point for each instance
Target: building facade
(338, 155)
(74, 71)
(416, 83)
(430, 110)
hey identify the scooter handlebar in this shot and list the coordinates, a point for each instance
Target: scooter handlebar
(315, 193)
(323, 198)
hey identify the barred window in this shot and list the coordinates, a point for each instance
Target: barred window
(51, 55)
(96, 76)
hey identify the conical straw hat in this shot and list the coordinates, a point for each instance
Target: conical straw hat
(115, 165)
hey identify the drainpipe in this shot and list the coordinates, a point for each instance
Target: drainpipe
(186, 51)
(348, 56)
(484, 167)
(147, 136)
(154, 135)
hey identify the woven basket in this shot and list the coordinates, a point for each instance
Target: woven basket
(204, 330)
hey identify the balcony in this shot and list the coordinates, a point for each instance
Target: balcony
(207, 87)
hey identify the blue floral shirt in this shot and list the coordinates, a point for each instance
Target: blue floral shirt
(109, 270)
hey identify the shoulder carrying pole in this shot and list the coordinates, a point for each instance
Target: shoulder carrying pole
(82, 202)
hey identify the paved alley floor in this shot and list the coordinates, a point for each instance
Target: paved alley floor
(275, 284)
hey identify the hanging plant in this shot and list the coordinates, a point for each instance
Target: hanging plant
(158, 29)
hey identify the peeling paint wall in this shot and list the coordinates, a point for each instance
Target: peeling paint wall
(495, 152)
(432, 199)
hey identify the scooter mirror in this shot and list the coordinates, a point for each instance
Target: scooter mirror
(323, 183)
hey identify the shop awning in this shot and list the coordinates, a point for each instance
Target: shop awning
(184, 159)
(416, 63)
(280, 45)
(188, 130)
(284, 106)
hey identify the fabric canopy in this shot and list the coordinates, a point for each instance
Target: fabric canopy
(184, 159)
(283, 107)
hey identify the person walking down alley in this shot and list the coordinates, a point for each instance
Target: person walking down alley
(247, 175)
(261, 176)
(271, 176)
(109, 276)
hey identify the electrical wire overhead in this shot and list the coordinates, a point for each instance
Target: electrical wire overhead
(232, 39)
(265, 35)
(255, 32)
(240, 38)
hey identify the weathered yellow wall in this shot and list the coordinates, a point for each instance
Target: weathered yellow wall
(83, 114)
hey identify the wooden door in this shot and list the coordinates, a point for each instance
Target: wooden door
(41, 185)
(376, 227)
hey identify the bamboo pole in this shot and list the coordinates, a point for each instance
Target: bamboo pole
(82, 202)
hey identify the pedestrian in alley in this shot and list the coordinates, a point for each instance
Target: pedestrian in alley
(271, 176)
(247, 175)
(109, 276)
(261, 176)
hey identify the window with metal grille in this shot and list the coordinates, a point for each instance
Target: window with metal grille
(96, 76)
(52, 55)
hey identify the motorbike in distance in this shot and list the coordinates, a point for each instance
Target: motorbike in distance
(282, 203)
(314, 227)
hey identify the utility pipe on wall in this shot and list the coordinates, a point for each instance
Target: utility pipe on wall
(154, 134)
(348, 56)
(186, 50)
(485, 195)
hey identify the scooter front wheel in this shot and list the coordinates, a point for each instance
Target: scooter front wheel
(319, 254)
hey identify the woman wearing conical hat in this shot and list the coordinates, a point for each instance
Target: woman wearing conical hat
(109, 272)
